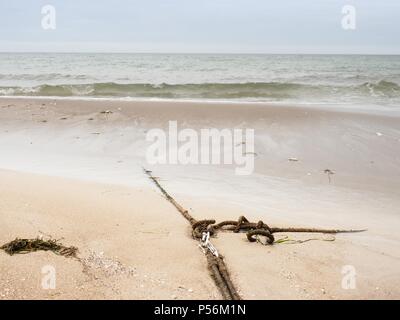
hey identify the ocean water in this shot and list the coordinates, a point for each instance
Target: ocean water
(304, 79)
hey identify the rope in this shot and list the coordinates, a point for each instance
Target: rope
(182, 210)
(209, 227)
(254, 229)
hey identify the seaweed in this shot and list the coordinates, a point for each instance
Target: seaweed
(23, 246)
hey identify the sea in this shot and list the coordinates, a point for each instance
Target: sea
(372, 80)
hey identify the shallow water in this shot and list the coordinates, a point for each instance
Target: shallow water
(322, 79)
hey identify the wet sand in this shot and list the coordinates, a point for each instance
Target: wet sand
(73, 172)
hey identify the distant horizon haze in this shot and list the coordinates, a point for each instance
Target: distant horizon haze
(208, 26)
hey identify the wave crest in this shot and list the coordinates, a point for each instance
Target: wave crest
(271, 91)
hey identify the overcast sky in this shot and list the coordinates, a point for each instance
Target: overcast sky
(262, 26)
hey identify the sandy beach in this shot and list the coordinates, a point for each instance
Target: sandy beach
(73, 170)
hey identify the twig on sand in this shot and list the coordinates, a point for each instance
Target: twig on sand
(329, 172)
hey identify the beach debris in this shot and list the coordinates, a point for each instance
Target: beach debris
(379, 134)
(108, 267)
(202, 230)
(106, 112)
(22, 246)
(255, 229)
(253, 153)
(293, 159)
(90, 119)
(329, 172)
(63, 118)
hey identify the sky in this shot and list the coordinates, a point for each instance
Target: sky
(203, 26)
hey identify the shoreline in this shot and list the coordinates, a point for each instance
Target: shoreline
(340, 107)
(54, 171)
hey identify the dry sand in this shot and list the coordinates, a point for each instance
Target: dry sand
(72, 172)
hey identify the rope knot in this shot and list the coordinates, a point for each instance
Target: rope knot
(252, 235)
(202, 226)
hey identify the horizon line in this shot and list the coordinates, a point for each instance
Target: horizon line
(199, 53)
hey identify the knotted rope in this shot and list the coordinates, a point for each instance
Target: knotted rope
(254, 229)
(216, 263)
